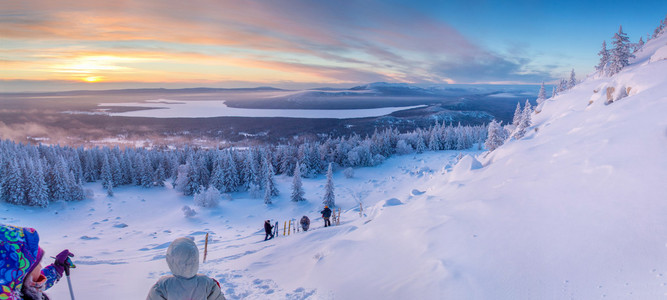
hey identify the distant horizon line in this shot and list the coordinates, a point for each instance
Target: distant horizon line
(260, 87)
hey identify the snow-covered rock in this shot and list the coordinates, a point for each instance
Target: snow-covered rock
(660, 54)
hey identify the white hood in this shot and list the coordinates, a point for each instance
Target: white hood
(183, 257)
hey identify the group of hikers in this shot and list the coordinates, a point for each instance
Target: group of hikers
(22, 275)
(305, 223)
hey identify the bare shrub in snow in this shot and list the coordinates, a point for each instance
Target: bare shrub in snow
(209, 198)
(349, 172)
(402, 147)
(188, 212)
(254, 191)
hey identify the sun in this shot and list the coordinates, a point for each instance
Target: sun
(92, 78)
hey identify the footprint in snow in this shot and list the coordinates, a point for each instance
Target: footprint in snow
(417, 192)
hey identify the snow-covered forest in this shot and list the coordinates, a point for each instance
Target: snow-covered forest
(36, 175)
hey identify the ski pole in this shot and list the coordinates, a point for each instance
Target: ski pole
(68, 264)
(69, 282)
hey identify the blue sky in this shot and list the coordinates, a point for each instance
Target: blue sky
(60, 45)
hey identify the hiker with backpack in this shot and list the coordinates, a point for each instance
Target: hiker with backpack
(268, 228)
(21, 272)
(305, 223)
(326, 214)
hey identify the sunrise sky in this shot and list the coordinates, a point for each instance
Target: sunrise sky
(64, 45)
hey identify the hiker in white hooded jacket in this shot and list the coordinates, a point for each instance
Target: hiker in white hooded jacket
(185, 283)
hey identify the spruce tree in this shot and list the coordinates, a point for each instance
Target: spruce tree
(267, 193)
(147, 173)
(106, 175)
(640, 44)
(553, 93)
(38, 193)
(496, 136)
(604, 58)
(109, 189)
(620, 55)
(218, 176)
(526, 121)
(268, 179)
(297, 186)
(329, 198)
(13, 189)
(230, 173)
(542, 95)
(517, 115)
(573, 80)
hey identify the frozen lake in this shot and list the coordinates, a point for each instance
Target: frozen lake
(163, 108)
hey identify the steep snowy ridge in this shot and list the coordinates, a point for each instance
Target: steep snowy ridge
(585, 190)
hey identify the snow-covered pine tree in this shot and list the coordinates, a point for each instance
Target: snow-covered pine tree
(562, 86)
(109, 188)
(573, 80)
(496, 136)
(106, 175)
(116, 172)
(542, 95)
(604, 59)
(13, 189)
(230, 173)
(517, 115)
(267, 193)
(526, 121)
(297, 185)
(251, 171)
(89, 166)
(660, 29)
(553, 93)
(160, 174)
(420, 145)
(329, 198)
(218, 175)
(38, 192)
(268, 179)
(57, 181)
(620, 55)
(639, 45)
(193, 180)
(147, 173)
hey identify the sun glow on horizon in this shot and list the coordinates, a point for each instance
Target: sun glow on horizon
(92, 78)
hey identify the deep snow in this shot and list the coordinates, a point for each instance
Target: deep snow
(574, 210)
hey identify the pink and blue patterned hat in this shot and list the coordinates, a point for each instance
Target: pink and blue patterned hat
(20, 253)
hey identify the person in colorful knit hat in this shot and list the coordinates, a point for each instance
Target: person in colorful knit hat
(21, 272)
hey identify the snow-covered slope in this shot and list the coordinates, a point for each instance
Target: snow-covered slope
(574, 210)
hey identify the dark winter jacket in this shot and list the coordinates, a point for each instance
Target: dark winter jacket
(185, 284)
(326, 213)
(305, 222)
(267, 227)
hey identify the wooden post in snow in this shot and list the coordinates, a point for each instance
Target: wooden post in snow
(361, 210)
(206, 247)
